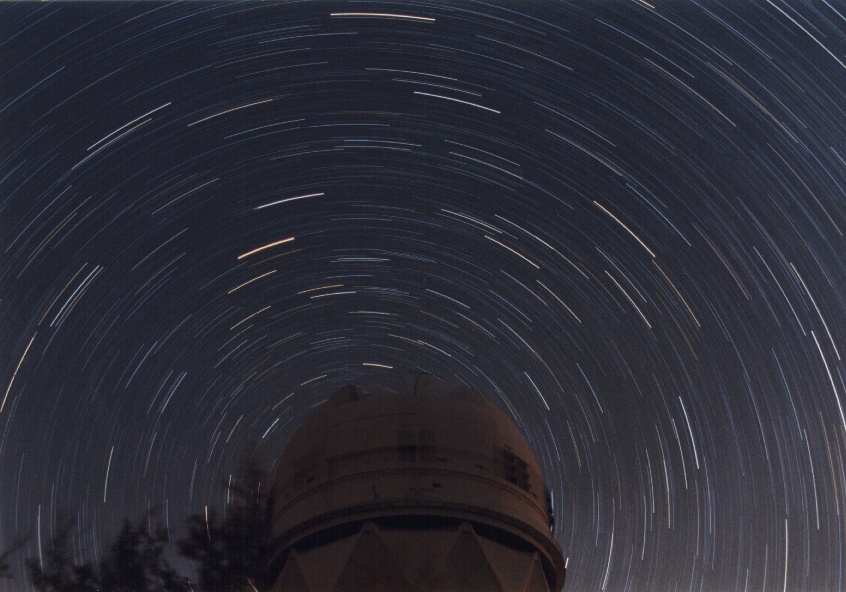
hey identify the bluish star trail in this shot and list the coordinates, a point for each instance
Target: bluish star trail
(622, 222)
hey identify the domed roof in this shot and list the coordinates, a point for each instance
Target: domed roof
(444, 454)
(346, 420)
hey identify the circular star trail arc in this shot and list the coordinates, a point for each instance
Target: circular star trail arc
(623, 222)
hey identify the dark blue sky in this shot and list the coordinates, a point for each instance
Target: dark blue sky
(622, 222)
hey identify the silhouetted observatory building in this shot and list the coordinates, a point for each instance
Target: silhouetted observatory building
(418, 492)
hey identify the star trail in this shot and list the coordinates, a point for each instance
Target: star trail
(622, 222)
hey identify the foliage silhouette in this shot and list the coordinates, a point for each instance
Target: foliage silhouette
(55, 570)
(5, 568)
(232, 553)
(135, 562)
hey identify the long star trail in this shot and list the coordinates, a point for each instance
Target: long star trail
(622, 222)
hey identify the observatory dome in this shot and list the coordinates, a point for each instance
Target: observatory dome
(430, 480)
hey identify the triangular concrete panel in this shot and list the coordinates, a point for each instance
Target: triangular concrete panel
(511, 567)
(371, 568)
(537, 581)
(322, 566)
(465, 568)
(418, 553)
(291, 579)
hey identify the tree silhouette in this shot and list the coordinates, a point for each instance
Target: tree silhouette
(135, 562)
(55, 569)
(232, 553)
(5, 568)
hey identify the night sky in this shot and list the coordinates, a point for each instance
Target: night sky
(622, 222)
